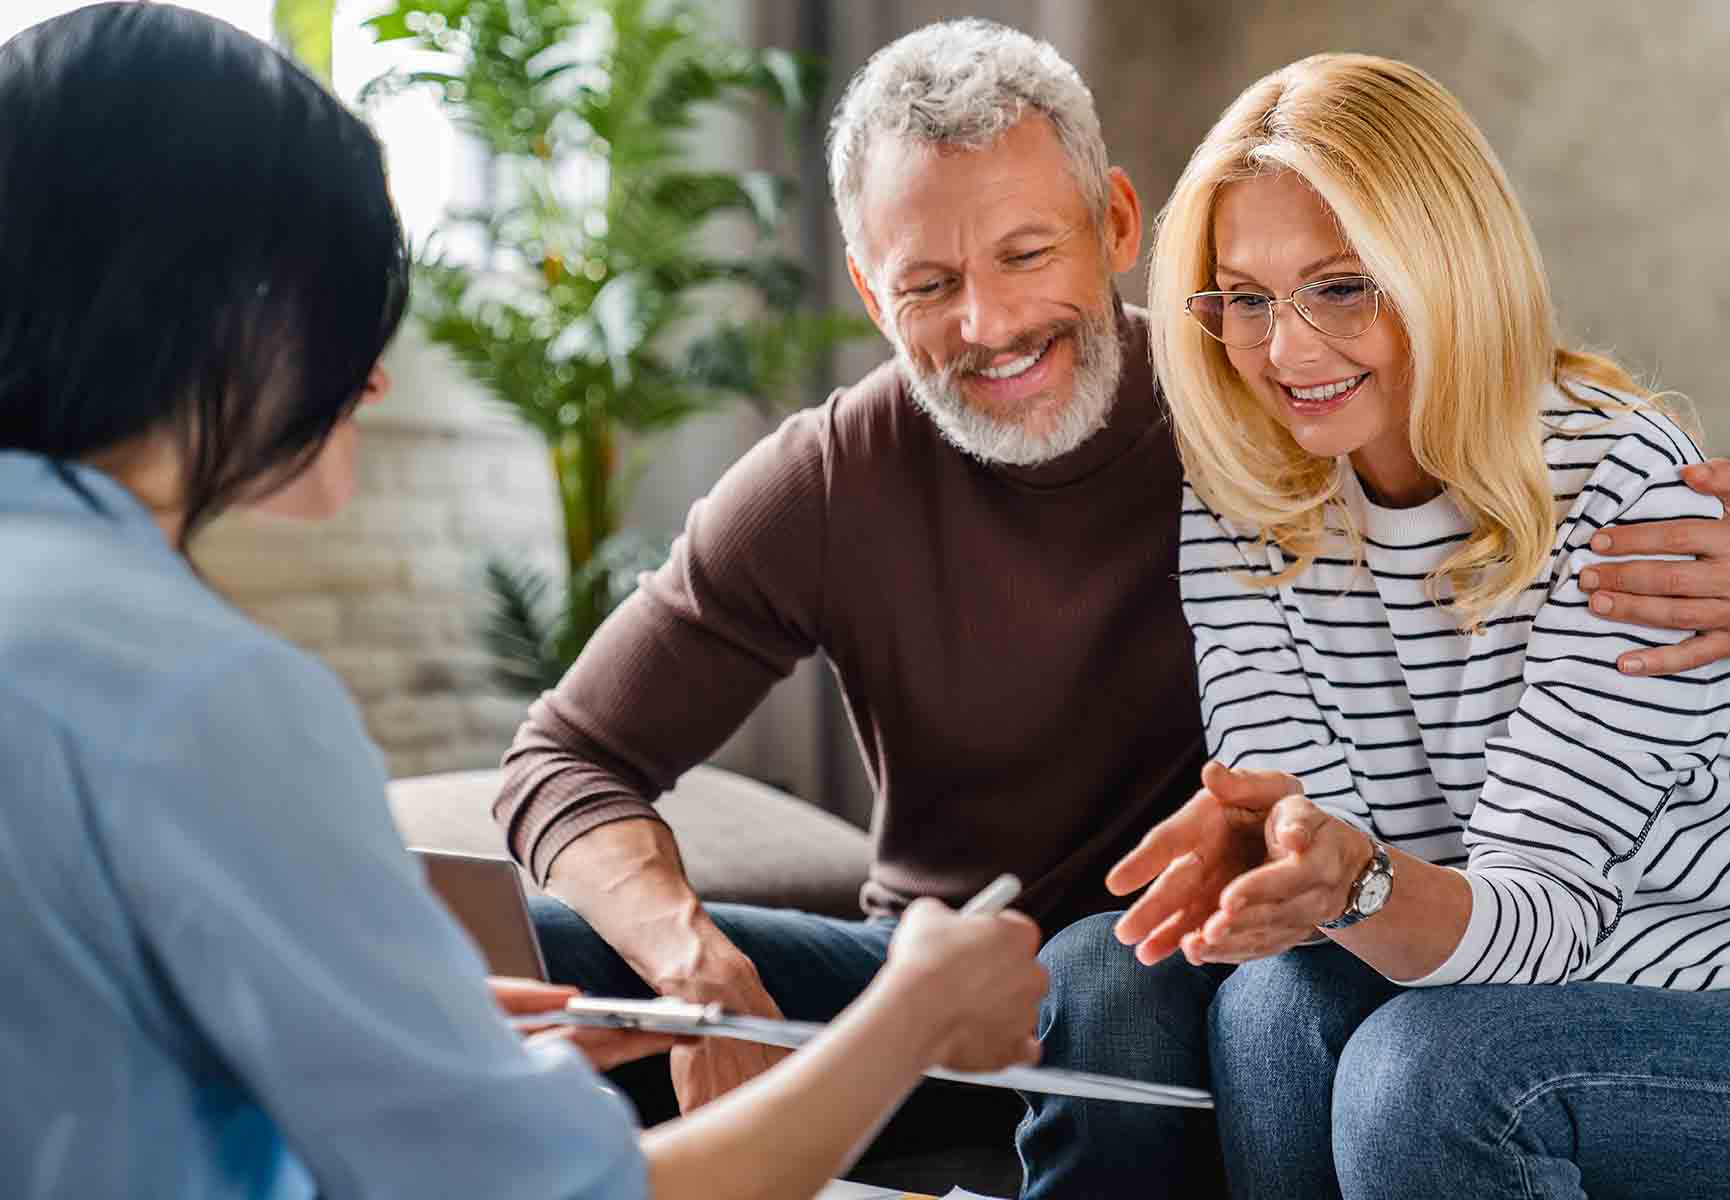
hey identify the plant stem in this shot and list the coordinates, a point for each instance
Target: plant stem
(583, 466)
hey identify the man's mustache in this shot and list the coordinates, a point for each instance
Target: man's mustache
(974, 359)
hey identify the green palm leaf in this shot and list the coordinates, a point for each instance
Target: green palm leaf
(598, 309)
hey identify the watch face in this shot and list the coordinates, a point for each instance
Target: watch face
(1373, 893)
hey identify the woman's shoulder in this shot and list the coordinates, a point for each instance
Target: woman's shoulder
(1611, 453)
(123, 651)
(1585, 423)
(1202, 524)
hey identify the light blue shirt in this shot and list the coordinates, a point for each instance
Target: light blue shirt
(223, 976)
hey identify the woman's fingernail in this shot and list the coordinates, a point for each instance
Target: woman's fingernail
(1601, 543)
(1589, 579)
(1634, 666)
(1601, 604)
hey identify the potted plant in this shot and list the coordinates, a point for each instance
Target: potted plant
(594, 315)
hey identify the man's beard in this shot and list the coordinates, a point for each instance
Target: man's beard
(1007, 440)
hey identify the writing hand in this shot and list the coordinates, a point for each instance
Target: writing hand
(975, 980)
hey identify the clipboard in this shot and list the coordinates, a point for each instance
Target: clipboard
(668, 1015)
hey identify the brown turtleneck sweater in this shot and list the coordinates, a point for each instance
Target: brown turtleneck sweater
(1009, 642)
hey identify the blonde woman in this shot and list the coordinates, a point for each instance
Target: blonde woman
(1424, 747)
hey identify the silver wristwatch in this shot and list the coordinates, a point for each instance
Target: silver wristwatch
(1370, 891)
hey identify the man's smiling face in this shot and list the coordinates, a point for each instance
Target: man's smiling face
(987, 271)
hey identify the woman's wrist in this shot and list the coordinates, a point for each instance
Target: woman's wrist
(911, 1010)
(1350, 850)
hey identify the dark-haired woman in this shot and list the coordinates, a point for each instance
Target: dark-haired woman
(224, 977)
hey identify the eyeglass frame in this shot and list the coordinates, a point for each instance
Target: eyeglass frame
(1292, 299)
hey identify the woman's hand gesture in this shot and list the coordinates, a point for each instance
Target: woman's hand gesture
(1189, 859)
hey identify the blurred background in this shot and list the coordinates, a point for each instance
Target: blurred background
(1611, 118)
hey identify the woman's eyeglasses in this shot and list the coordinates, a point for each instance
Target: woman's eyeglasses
(1343, 307)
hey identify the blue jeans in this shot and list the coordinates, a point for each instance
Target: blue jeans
(1106, 1012)
(1599, 1089)
(1275, 1034)
(1266, 1034)
(1331, 1081)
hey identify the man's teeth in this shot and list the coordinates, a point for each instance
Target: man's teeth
(1010, 370)
(1327, 391)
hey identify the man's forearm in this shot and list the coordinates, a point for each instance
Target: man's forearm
(626, 880)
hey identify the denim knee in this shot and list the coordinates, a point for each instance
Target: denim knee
(1275, 1034)
(1292, 1012)
(1604, 1089)
(1414, 1099)
(1106, 1011)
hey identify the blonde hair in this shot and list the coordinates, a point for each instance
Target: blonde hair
(1422, 200)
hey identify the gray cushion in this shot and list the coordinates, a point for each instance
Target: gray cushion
(742, 841)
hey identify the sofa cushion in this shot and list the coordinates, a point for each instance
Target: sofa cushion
(742, 841)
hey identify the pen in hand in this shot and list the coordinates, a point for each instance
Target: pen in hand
(993, 898)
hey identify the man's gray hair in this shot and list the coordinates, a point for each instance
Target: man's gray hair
(965, 84)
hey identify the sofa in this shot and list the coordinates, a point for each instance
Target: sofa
(746, 842)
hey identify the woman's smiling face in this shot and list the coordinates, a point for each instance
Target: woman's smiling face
(1337, 396)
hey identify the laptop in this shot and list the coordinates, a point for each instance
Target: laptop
(485, 895)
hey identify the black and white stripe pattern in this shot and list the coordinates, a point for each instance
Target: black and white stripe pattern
(1589, 810)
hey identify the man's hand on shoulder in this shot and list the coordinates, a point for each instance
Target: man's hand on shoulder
(1692, 595)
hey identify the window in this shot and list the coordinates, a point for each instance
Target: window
(432, 167)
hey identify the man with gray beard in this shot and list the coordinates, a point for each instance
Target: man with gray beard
(981, 536)
(1009, 439)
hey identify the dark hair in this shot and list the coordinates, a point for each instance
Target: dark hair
(195, 238)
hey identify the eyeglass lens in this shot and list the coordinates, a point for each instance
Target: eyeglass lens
(1341, 308)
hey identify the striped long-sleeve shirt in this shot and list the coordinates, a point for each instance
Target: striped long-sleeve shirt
(1589, 810)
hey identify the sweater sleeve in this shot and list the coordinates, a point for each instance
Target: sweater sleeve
(1258, 707)
(685, 659)
(1580, 780)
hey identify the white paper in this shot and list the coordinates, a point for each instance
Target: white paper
(674, 1016)
(842, 1189)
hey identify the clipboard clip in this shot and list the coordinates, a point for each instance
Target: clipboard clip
(666, 1014)
(662, 1014)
